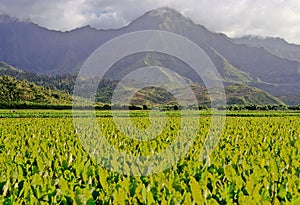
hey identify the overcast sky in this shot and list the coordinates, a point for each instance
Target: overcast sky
(277, 18)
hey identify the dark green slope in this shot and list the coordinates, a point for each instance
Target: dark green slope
(4, 67)
(13, 91)
(59, 82)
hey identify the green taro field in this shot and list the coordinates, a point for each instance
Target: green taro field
(256, 161)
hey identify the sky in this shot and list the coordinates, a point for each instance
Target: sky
(235, 18)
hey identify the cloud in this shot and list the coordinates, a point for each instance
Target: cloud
(278, 18)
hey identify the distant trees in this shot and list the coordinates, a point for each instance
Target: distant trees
(256, 107)
(296, 107)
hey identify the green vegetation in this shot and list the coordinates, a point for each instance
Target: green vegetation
(256, 161)
(246, 95)
(134, 113)
(21, 94)
(18, 93)
(237, 94)
(8, 68)
(64, 82)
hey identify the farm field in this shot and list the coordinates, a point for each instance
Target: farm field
(256, 161)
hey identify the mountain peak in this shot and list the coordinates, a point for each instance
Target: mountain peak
(84, 28)
(163, 11)
(168, 13)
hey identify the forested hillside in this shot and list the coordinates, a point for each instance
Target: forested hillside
(21, 92)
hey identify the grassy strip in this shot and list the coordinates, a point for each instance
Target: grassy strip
(120, 113)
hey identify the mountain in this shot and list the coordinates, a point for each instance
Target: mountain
(36, 49)
(286, 89)
(277, 46)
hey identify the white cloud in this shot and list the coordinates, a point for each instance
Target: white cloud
(233, 17)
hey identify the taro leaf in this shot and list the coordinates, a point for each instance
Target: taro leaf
(196, 191)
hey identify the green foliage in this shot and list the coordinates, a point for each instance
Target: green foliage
(60, 82)
(244, 95)
(21, 92)
(254, 107)
(8, 68)
(297, 107)
(255, 162)
(236, 94)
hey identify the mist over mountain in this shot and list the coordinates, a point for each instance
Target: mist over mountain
(270, 66)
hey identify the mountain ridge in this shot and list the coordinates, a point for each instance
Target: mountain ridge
(277, 46)
(54, 52)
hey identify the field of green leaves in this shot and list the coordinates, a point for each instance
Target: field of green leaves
(256, 161)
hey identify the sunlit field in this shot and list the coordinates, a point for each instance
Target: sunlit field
(256, 161)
